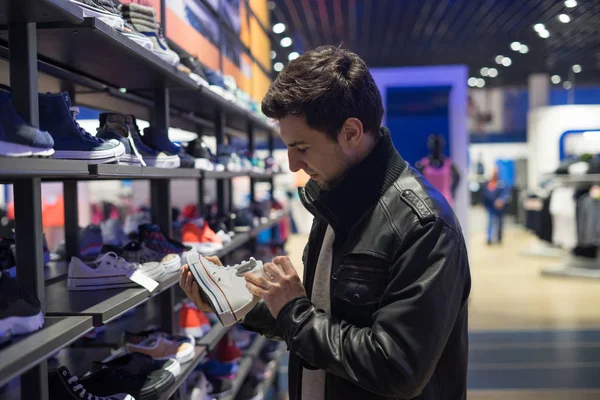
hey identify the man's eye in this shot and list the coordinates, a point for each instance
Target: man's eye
(302, 150)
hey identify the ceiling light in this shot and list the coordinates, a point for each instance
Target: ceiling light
(544, 34)
(539, 28)
(577, 68)
(279, 28)
(286, 42)
(273, 54)
(493, 72)
(567, 85)
(499, 59)
(293, 55)
(555, 79)
(472, 81)
(524, 49)
(484, 71)
(564, 18)
(480, 82)
(278, 66)
(515, 46)
(506, 61)
(591, 135)
(570, 3)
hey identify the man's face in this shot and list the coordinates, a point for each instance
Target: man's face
(314, 152)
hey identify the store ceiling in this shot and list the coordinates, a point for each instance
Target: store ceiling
(433, 32)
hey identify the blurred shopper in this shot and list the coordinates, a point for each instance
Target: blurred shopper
(382, 311)
(495, 198)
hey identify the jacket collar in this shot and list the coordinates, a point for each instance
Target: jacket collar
(364, 185)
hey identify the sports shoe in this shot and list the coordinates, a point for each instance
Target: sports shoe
(159, 140)
(18, 138)
(221, 387)
(137, 374)
(139, 337)
(132, 156)
(112, 232)
(215, 368)
(192, 321)
(105, 11)
(241, 337)
(202, 155)
(20, 312)
(71, 141)
(133, 221)
(198, 234)
(153, 237)
(225, 288)
(90, 242)
(62, 385)
(152, 269)
(132, 359)
(126, 126)
(108, 271)
(227, 351)
(138, 253)
(250, 390)
(162, 349)
(202, 389)
(131, 33)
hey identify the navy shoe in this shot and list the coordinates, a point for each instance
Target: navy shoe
(132, 156)
(159, 140)
(71, 141)
(18, 138)
(126, 125)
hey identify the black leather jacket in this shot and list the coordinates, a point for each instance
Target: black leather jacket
(399, 287)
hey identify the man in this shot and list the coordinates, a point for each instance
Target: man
(382, 312)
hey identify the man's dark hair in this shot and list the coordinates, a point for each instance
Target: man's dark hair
(326, 86)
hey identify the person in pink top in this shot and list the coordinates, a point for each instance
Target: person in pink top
(439, 170)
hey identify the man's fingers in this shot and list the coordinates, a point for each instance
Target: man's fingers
(214, 260)
(285, 264)
(273, 272)
(255, 290)
(257, 280)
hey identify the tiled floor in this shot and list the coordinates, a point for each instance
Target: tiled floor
(531, 337)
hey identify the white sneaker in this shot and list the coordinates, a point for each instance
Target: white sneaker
(152, 270)
(105, 272)
(225, 288)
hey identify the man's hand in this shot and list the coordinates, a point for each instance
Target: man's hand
(191, 288)
(499, 204)
(282, 284)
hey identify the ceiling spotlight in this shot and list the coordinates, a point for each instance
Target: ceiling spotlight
(472, 81)
(515, 46)
(493, 72)
(484, 71)
(293, 55)
(564, 18)
(499, 59)
(278, 66)
(273, 54)
(286, 42)
(506, 61)
(545, 34)
(524, 49)
(539, 28)
(555, 79)
(570, 3)
(278, 28)
(567, 85)
(577, 68)
(480, 82)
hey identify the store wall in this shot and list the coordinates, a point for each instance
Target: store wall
(545, 127)
(491, 152)
(456, 78)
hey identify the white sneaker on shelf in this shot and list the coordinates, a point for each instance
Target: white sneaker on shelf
(105, 272)
(152, 270)
(225, 288)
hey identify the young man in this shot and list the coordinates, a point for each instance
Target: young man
(382, 310)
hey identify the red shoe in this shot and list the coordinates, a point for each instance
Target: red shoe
(193, 321)
(192, 233)
(227, 351)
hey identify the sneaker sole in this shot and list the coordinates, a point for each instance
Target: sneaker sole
(9, 149)
(83, 284)
(213, 292)
(172, 266)
(95, 156)
(171, 59)
(128, 159)
(22, 325)
(186, 357)
(141, 40)
(174, 368)
(152, 270)
(165, 162)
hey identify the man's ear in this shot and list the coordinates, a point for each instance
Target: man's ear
(352, 132)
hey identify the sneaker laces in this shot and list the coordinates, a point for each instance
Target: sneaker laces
(118, 262)
(78, 387)
(83, 132)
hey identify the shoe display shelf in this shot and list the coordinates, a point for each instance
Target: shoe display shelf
(245, 366)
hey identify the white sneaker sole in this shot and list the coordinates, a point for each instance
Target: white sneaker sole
(171, 59)
(9, 149)
(227, 315)
(204, 164)
(112, 20)
(129, 159)
(173, 265)
(152, 270)
(163, 162)
(22, 325)
(94, 156)
(141, 40)
(185, 357)
(87, 283)
(174, 368)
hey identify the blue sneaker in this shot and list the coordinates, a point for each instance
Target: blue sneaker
(126, 126)
(18, 138)
(71, 141)
(90, 242)
(159, 140)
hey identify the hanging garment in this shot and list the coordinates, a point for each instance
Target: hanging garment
(440, 178)
(588, 221)
(562, 209)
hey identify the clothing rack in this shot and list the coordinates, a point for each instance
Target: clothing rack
(571, 265)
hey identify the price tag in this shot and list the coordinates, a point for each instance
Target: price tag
(141, 279)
